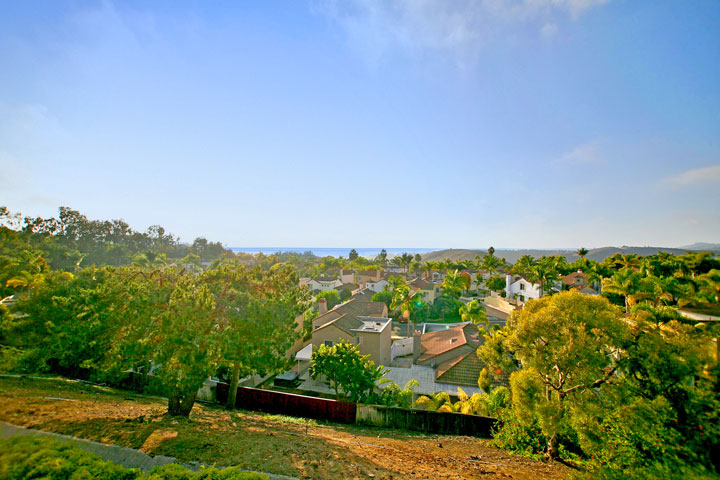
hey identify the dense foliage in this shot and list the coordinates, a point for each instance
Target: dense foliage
(636, 396)
(25, 458)
(347, 371)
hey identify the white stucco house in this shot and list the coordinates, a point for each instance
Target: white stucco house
(520, 289)
(323, 284)
(377, 285)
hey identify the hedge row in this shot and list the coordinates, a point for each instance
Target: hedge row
(26, 458)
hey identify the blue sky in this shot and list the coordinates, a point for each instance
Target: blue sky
(368, 123)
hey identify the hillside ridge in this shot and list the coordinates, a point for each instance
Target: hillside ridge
(512, 255)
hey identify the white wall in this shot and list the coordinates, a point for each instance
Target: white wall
(377, 286)
(401, 348)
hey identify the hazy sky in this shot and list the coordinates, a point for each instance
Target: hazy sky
(368, 123)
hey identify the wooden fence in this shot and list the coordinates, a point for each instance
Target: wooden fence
(424, 420)
(270, 401)
(346, 412)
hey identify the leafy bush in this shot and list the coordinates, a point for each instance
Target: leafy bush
(177, 472)
(25, 458)
(511, 434)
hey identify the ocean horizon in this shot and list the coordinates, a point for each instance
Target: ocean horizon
(333, 252)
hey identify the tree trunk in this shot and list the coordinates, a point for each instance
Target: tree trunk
(232, 394)
(552, 449)
(180, 404)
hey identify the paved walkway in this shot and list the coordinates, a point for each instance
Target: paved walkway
(127, 457)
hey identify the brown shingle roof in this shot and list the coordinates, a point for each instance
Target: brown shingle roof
(361, 307)
(437, 343)
(463, 370)
(571, 278)
(421, 284)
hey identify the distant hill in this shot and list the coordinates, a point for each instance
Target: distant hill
(702, 247)
(511, 256)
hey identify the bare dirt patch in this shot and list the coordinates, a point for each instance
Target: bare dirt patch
(255, 441)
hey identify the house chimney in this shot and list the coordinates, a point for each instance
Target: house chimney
(322, 306)
(417, 345)
(508, 281)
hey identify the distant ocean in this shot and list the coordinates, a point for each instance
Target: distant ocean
(333, 252)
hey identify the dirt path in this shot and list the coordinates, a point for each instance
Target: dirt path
(280, 445)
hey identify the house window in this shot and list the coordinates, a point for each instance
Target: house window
(328, 343)
(522, 286)
(522, 299)
(359, 340)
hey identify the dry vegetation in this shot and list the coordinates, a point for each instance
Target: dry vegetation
(255, 441)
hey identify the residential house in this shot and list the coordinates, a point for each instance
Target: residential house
(345, 275)
(378, 285)
(360, 323)
(323, 284)
(519, 288)
(578, 280)
(350, 287)
(364, 276)
(363, 294)
(452, 353)
(428, 290)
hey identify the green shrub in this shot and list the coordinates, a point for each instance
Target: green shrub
(510, 434)
(176, 472)
(24, 458)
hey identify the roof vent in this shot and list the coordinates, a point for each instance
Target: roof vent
(453, 340)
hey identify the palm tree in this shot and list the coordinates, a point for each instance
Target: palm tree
(405, 260)
(627, 260)
(624, 282)
(474, 312)
(582, 252)
(455, 283)
(594, 275)
(491, 263)
(402, 298)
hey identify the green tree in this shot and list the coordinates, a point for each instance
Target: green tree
(64, 325)
(582, 252)
(495, 283)
(709, 285)
(546, 339)
(345, 295)
(346, 370)
(353, 255)
(403, 298)
(385, 296)
(382, 257)
(455, 283)
(474, 312)
(260, 323)
(659, 417)
(331, 297)
(624, 282)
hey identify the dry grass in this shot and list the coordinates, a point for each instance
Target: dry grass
(255, 441)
